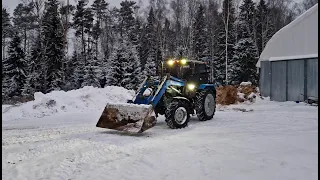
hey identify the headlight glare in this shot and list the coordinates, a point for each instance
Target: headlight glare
(191, 86)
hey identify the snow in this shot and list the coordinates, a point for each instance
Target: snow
(245, 84)
(262, 140)
(298, 39)
(241, 96)
(81, 100)
(307, 56)
(252, 95)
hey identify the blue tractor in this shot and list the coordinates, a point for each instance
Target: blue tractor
(182, 90)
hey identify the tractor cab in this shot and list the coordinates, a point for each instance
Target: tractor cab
(187, 70)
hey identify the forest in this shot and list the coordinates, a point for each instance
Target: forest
(55, 45)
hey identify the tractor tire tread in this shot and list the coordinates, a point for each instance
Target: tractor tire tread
(170, 111)
(199, 105)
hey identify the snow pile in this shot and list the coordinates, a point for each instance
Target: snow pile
(241, 96)
(247, 92)
(85, 99)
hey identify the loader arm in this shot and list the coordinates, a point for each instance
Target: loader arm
(167, 81)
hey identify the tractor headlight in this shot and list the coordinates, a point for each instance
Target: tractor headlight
(183, 61)
(191, 86)
(170, 62)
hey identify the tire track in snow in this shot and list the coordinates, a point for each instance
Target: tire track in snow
(62, 148)
(25, 136)
(92, 153)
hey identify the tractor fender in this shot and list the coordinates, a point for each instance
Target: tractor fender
(212, 87)
(207, 86)
(180, 97)
(190, 110)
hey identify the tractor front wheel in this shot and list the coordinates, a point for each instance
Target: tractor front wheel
(177, 115)
(205, 104)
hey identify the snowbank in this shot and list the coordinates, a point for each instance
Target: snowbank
(81, 100)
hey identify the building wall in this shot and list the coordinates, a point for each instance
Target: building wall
(265, 78)
(296, 80)
(290, 80)
(312, 77)
(278, 80)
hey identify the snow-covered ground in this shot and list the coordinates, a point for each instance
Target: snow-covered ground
(58, 140)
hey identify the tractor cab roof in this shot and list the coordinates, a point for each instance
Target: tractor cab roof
(184, 68)
(184, 61)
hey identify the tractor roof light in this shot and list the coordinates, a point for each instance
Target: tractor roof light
(183, 61)
(170, 62)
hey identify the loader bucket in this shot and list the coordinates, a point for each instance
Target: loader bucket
(127, 117)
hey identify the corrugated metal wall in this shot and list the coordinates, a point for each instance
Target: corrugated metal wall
(265, 76)
(278, 80)
(312, 77)
(295, 80)
(292, 80)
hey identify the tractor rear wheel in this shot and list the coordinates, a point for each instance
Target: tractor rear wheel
(177, 115)
(205, 104)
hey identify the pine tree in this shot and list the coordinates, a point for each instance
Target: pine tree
(150, 67)
(124, 65)
(14, 69)
(88, 25)
(24, 21)
(66, 12)
(264, 27)
(77, 70)
(70, 73)
(91, 76)
(130, 65)
(6, 30)
(225, 41)
(247, 18)
(109, 32)
(245, 59)
(53, 36)
(96, 32)
(127, 21)
(114, 69)
(36, 75)
(200, 44)
(139, 29)
(169, 42)
(178, 11)
(211, 21)
(150, 50)
(99, 8)
(79, 25)
(93, 71)
(246, 53)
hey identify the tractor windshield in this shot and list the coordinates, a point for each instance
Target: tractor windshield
(178, 69)
(185, 69)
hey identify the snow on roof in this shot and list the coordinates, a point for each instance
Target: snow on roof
(298, 39)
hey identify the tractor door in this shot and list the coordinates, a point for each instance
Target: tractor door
(200, 74)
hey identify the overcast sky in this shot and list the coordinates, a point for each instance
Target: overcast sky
(11, 4)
